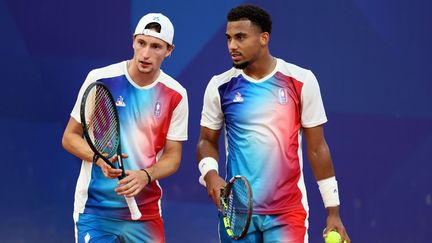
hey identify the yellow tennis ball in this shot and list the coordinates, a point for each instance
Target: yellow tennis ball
(333, 237)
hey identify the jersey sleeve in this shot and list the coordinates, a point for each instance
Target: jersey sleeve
(179, 121)
(76, 109)
(212, 116)
(312, 111)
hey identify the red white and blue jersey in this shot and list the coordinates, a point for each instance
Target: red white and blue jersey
(148, 116)
(263, 122)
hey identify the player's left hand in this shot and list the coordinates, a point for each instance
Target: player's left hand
(334, 222)
(132, 184)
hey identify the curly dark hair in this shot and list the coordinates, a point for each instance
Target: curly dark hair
(255, 14)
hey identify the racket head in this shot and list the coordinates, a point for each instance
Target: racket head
(100, 122)
(236, 201)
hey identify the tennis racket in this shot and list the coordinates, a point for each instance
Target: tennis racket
(101, 128)
(236, 201)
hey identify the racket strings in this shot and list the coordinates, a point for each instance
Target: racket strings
(238, 207)
(103, 123)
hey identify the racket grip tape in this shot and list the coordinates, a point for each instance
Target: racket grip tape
(227, 226)
(133, 208)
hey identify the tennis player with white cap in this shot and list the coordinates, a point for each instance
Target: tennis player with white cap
(153, 113)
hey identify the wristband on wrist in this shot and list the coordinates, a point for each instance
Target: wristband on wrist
(205, 165)
(95, 158)
(329, 192)
(149, 179)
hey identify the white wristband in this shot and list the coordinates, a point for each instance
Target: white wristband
(329, 192)
(205, 165)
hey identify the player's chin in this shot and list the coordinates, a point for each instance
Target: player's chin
(146, 69)
(241, 65)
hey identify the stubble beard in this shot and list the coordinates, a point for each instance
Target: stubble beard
(242, 65)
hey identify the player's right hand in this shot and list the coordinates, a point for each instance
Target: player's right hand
(214, 185)
(107, 170)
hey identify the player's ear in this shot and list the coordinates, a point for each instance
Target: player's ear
(170, 49)
(264, 38)
(133, 40)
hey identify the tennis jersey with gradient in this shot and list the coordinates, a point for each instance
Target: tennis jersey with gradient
(148, 116)
(263, 122)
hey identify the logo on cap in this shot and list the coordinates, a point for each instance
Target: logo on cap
(167, 29)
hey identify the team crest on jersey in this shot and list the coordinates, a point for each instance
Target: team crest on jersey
(283, 99)
(157, 109)
(120, 101)
(238, 98)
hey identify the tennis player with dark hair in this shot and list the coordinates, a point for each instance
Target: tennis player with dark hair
(267, 106)
(153, 113)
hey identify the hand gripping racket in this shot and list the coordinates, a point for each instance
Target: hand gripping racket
(236, 201)
(101, 128)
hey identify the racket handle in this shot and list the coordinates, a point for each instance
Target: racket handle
(133, 208)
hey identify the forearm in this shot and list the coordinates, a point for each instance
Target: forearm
(208, 144)
(206, 149)
(207, 157)
(76, 145)
(168, 163)
(166, 166)
(322, 167)
(321, 162)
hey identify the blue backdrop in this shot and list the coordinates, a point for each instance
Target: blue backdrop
(370, 57)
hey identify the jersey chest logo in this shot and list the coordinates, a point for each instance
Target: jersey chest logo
(120, 102)
(283, 99)
(157, 109)
(238, 98)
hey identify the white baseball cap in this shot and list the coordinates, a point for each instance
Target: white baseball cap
(167, 29)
